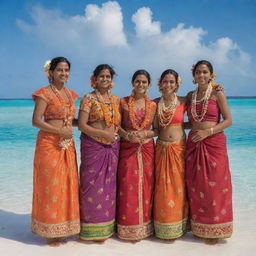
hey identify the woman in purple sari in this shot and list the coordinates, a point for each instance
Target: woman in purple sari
(98, 121)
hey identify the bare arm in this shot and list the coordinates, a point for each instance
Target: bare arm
(40, 107)
(225, 112)
(84, 127)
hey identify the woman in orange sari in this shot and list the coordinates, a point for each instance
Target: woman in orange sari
(55, 211)
(136, 162)
(170, 204)
(208, 176)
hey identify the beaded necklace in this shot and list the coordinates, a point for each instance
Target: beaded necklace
(205, 99)
(64, 143)
(109, 119)
(146, 120)
(165, 114)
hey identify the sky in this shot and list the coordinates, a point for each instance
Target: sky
(129, 35)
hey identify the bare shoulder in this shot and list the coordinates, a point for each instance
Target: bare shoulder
(156, 100)
(182, 100)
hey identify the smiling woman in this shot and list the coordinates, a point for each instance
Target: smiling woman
(55, 212)
(136, 162)
(98, 122)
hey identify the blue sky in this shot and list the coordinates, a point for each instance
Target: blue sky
(130, 35)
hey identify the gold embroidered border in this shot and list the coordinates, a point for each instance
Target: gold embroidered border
(222, 230)
(63, 229)
(135, 232)
(170, 230)
(97, 231)
(140, 195)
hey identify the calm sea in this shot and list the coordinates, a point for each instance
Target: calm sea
(17, 143)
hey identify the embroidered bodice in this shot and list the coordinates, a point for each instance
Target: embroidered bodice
(91, 105)
(55, 108)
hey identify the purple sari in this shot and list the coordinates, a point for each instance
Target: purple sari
(97, 188)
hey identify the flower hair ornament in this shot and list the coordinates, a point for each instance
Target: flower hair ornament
(47, 66)
(93, 83)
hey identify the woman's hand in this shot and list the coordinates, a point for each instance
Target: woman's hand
(141, 134)
(66, 132)
(132, 137)
(200, 135)
(110, 135)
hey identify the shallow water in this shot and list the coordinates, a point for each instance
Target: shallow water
(17, 143)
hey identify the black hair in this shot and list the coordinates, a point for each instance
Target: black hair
(141, 72)
(169, 71)
(101, 67)
(202, 62)
(56, 61)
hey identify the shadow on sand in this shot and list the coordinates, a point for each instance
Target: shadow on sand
(16, 227)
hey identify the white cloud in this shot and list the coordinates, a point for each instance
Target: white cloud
(143, 23)
(98, 36)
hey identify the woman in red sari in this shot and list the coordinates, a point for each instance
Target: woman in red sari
(136, 162)
(208, 176)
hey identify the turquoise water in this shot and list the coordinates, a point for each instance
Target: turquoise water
(17, 143)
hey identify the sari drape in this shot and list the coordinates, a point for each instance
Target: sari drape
(170, 204)
(55, 211)
(97, 188)
(209, 187)
(135, 193)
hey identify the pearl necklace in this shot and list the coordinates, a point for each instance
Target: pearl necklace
(205, 99)
(166, 113)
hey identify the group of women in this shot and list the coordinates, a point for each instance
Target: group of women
(166, 189)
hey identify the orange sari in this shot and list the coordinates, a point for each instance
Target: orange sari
(170, 204)
(55, 211)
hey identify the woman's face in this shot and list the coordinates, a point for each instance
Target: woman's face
(104, 79)
(202, 74)
(61, 73)
(140, 84)
(169, 84)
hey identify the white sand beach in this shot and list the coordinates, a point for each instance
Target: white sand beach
(17, 239)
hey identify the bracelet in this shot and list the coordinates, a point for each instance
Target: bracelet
(146, 134)
(211, 129)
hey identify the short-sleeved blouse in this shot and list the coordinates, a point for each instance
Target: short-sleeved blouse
(55, 108)
(91, 105)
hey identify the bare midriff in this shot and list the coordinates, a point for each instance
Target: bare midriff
(58, 123)
(102, 126)
(203, 125)
(172, 133)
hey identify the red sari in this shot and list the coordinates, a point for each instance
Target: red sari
(208, 181)
(135, 181)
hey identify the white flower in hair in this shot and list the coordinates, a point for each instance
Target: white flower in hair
(47, 65)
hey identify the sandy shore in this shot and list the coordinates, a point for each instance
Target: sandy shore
(16, 239)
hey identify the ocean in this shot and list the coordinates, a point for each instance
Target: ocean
(17, 145)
